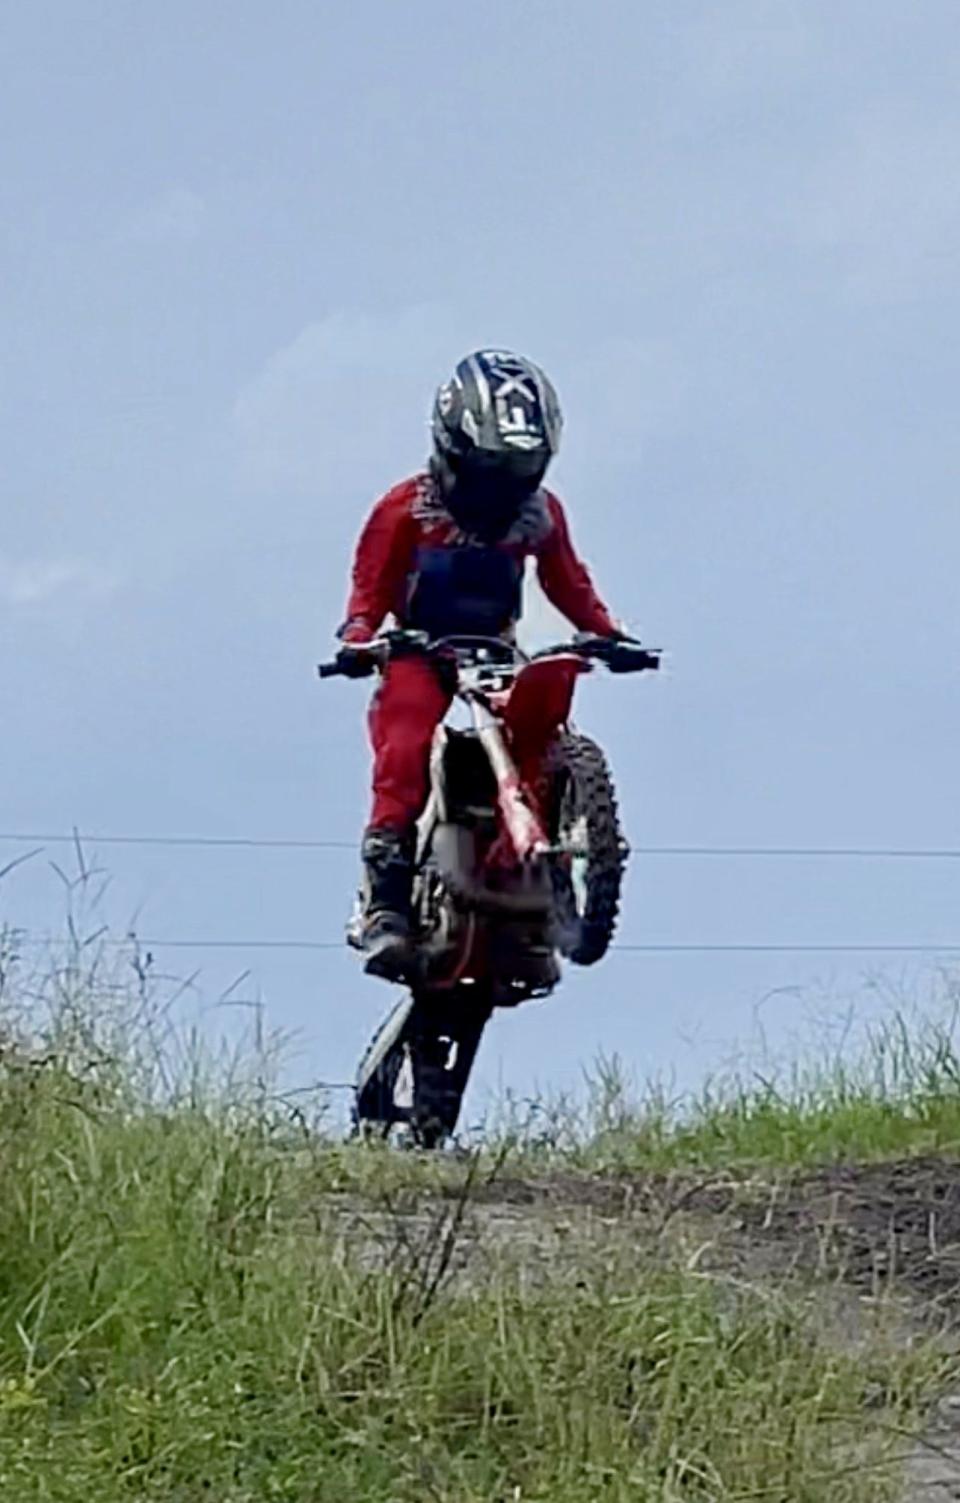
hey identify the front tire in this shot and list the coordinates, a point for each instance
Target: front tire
(585, 822)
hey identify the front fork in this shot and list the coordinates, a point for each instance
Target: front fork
(526, 833)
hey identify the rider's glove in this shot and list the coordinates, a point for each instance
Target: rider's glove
(625, 655)
(355, 660)
(619, 651)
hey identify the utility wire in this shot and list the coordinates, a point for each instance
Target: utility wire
(866, 853)
(653, 948)
(820, 852)
(799, 949)
(241, 841)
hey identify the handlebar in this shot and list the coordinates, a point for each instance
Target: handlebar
(617, 655)
(334, 670)
(378, 652)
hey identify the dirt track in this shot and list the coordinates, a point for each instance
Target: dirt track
(861, 1232)
(893, 1226)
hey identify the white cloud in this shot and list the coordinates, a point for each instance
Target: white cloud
(37, 582)
(173, 217)
(340, 402)
(347, 402)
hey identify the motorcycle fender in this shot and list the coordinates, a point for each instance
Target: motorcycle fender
(541, 698)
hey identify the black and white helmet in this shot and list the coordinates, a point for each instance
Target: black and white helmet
(498, 416)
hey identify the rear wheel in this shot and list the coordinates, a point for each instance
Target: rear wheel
(379, 1089)
(418, 1064)
(586, 825)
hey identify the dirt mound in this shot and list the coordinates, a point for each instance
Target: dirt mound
(845, 1232)
(873, 1225)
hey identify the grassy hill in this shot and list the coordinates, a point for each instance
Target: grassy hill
(203, 1297)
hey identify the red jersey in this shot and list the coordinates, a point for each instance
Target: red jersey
(410, 525)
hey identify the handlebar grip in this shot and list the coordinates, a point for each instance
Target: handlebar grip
(628, 659)
(361, 668)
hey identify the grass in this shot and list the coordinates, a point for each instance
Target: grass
(203, 1297)
(897, 1095)
(182, 1317)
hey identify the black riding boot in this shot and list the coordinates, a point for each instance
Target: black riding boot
(388, 862)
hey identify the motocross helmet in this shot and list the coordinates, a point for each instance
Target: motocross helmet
(496, 426)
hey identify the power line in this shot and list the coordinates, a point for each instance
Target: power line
(239, 841)
(797, 949)
(23, 937)
(843, 852)
(652, 948)
(763, 852)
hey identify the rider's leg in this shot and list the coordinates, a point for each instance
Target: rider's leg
(403, 717)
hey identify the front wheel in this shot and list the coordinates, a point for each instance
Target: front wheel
(586, 827)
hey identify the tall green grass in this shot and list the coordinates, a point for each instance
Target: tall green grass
(185, 1314)
(895, 1094)
(204, 1297)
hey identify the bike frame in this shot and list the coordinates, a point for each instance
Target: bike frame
(514, 706)
(534, 707)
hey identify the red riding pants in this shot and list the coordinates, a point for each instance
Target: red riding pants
(406, 710)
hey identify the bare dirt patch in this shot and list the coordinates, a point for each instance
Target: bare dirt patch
(875, 1226)
(849, 1239)
(876, 1229)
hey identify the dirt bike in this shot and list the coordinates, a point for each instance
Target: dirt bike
(510, 878)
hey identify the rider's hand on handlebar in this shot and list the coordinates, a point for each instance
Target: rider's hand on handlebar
(619, 652)
(355, 659)
(627, 656)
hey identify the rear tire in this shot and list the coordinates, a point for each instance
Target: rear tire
(584, 813)
(375, 1106)
(418, 1064)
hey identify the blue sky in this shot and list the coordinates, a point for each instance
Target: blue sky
(242, 244)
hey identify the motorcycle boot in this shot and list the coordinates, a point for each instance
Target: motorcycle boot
(388, 867)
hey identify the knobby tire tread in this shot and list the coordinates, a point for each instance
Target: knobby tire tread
(578, 760)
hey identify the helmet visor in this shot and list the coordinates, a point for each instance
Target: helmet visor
(519, 465)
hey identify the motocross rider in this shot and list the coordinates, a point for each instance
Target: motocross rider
(444, 552)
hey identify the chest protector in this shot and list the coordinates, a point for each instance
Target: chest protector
(470, 590)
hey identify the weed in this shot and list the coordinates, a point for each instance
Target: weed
(203, 1296)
